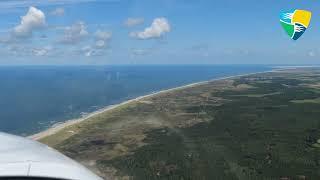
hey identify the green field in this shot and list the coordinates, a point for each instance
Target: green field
(263, 126)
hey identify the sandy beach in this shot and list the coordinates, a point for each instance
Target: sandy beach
(59, 126)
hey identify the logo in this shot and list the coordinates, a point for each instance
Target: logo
(295, 22)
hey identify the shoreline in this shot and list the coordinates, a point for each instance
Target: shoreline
(59, 126)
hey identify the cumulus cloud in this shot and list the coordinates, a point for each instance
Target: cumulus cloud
(57, 12)
(29, 50)
(158, 28)
(34, 19)
(130, 22)
(87, 50)
(90, 51)
(74, 33)
(101, 38)
(103, 35)
(100, 44)
(41, 51)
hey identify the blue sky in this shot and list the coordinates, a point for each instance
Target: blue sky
(63, 32)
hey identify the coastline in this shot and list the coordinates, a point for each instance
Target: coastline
(59, 126)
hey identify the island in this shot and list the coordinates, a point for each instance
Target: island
(258, 126)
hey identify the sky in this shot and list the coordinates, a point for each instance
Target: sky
(116, 32)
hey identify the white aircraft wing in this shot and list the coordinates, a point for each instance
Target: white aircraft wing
(21, 157)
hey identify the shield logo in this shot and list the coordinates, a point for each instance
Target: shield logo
(295, 22)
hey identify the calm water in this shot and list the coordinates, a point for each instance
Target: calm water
(34, 98)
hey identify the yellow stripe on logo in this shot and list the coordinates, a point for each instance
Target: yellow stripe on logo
(302, 17)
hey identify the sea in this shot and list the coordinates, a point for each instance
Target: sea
(34, 98)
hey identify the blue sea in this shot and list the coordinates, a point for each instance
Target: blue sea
(33, 98)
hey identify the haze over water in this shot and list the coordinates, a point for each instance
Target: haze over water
(33, 98)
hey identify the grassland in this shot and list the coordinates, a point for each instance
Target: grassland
(263, 126)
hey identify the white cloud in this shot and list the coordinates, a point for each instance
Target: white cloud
(58, 12)
(29, 50)
(130, 22)
(158, 28)
(74, 33)
(100, 41)
(34, 19)
(41, 51)
(89, 51)
(101, 38)
(100, 44)
(103, 35)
